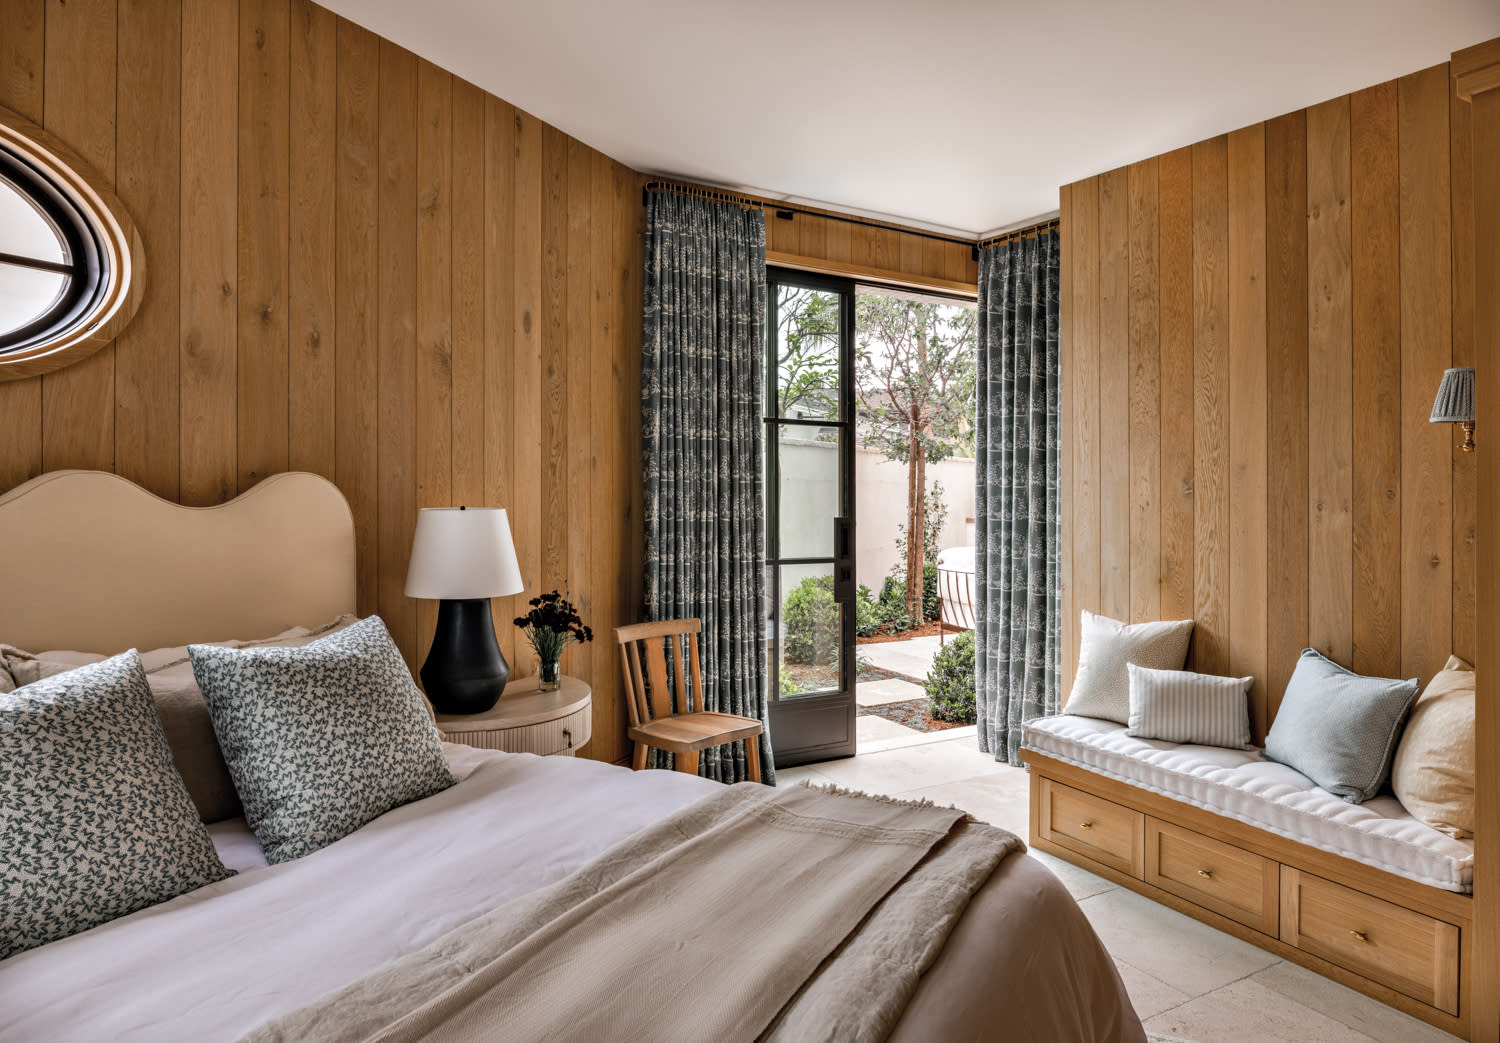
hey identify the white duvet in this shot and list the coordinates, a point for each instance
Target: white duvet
(215, 963)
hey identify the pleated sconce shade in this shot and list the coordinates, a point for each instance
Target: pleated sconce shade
(1455, 398)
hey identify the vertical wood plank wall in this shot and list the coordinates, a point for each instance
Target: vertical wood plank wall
(1256, 327)
(358, 265)
(814, 237)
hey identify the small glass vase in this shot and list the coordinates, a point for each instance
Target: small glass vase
(549, 675)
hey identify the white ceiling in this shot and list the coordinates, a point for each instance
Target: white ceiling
(958, 115)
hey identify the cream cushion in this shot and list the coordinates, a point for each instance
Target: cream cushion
(1101, 687)
(1243, 785)
(1433, 774)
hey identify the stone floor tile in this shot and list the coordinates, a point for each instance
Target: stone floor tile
(1248, 1012)
(1169, 946)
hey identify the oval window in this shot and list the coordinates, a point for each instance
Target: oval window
(68, 255)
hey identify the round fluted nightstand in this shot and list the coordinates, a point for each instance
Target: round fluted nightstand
(528, 721)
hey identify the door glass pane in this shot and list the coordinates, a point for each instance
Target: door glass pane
(27, 294)
(809, 489)
(807, 353)
(24, 230)
(812, 629)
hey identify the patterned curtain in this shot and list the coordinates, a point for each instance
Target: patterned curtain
(704, 342)
(1016, 505)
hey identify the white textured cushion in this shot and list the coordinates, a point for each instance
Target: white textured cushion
(1244, 786)
(1101, 687)
(1180, 706)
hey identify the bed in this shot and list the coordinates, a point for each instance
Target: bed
(310, 947)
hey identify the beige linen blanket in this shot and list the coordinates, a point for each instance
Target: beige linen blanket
(785, 914)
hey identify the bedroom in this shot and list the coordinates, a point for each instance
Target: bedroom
(326, 291)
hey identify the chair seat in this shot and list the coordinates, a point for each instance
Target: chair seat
(689, 732)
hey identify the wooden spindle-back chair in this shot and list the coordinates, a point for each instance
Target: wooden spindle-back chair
(684, 732)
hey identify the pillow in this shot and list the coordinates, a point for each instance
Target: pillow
(94, 821)
(18, 668)
(321, 739)
(1101, 687)
(190, 730)
(1339, 728)
(1178, 706)
(1433, 774)
(179, 704)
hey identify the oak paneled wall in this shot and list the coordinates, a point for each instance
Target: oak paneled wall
(357, 265)
(826, 242)
(1255, 327)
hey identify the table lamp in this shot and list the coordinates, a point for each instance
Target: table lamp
(463, 556)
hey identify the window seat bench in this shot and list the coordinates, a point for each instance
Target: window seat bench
(1365, 894)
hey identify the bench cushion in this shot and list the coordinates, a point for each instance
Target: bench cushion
(1243, 785)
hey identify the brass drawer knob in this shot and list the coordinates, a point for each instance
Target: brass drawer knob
(1085, 825)
(1206, 874)
(1360, 935)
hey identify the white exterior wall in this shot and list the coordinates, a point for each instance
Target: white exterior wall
(809, 474)
(880, 505)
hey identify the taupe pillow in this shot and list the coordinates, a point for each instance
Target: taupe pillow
(1433, 774)
(18, 668)
(1102, 686)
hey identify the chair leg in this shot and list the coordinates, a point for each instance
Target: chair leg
(687, 762)
(752, 757)
(638, 762)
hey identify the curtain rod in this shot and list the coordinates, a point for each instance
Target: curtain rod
(784, 210)
(1018, 233)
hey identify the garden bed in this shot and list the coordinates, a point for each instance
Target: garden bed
(932, 629)
(913, 713)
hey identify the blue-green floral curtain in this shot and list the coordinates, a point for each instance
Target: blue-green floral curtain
(704, 341)
(1017, 579)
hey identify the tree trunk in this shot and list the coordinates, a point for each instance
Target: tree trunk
(916, 517)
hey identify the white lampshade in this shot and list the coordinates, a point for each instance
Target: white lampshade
(462, 552)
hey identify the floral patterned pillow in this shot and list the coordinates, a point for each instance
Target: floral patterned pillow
(320, 739)
(95, 822)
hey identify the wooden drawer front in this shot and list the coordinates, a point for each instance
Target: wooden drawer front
(1096, 828)
(1218, 876)
(1411, 952)
(566, 735)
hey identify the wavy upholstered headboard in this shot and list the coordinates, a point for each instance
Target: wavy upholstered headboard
(95, 563)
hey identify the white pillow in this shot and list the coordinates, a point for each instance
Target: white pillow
(1178, 706)
(1102, 687)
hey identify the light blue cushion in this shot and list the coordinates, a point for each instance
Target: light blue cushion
(1178, 706)
(321, 739)
(95, 822)
(1340, 728)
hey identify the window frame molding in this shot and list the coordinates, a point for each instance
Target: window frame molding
(122, 254)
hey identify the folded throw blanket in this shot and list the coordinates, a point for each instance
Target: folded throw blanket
(796, 914)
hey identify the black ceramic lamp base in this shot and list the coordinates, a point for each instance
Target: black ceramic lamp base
(465, 671)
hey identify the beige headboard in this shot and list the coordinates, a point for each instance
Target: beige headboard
(95, 563)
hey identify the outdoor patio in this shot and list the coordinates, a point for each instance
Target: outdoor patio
(907, 664)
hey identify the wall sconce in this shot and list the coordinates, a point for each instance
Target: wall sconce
(1455, 403)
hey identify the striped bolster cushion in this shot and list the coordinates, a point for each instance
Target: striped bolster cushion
(1179, 706)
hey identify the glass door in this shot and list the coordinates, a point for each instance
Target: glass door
(809, 511)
